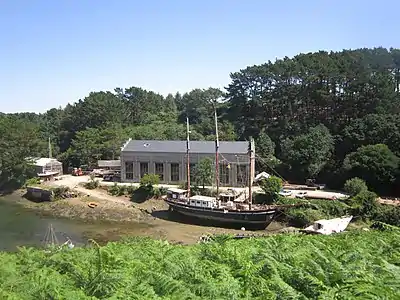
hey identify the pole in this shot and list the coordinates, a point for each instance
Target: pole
(187, 155)
(216, 151)
(49, 148)
(251, 171)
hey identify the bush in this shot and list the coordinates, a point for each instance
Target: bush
(271, 187)
(149, 180)
(117, 190)
(312, 210)
(388, 214)
(59, 192)
(92, 183)
(130, 189)
(301, 217)
(32, 182)
(355, 186)
(364, 204)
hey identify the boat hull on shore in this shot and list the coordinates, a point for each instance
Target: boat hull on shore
(253, 220)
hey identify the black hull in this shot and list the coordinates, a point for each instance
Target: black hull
(253, 220)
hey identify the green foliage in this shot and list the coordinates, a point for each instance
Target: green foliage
(376, 164)
(203, 172)
(313, 211)
(303, 216)
(355, 186)
(59, 192)
(130, 189)
(149, 180)
(271, 187)
(311, 115)
(388, 214)
(32, 182)
(309, 152)
(19, 140)
(351, 265)
(118, 190)
(92, 183)
(364, 204)
(147, 190)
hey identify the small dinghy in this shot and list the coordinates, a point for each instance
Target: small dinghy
(51, 243)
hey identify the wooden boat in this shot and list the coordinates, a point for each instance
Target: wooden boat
(236, 212)
(208, 209)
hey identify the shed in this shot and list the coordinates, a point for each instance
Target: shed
(47, 165)
(109, 164)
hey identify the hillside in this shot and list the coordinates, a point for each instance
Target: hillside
(324, 115)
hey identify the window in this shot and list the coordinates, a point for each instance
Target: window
(175, 172)
(144, 169)
(129, 170)
(224, 170)
(159, 170)
(242, 174)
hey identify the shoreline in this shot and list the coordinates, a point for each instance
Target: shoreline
(127, 218)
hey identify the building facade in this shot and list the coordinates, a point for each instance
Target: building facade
(47, 165)
(168, 160)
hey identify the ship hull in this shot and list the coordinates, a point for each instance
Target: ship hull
(253, 220)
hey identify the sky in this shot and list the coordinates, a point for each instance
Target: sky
(57, 52)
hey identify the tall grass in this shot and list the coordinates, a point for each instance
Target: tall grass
(353, 265)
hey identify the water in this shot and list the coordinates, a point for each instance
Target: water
(23, 227)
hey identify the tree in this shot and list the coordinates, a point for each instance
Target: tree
(19, 141)
(309, 152)
(376, 164)
(271, 186)
(203, 173)
(355, 186)
(316, 108)
(265, 149)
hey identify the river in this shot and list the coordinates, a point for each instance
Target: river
(20, 226)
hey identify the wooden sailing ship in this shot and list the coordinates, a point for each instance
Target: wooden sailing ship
(229, 213)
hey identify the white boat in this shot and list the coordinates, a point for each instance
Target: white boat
(51, 242)
(327, 227)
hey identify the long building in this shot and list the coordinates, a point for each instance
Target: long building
(167, 159)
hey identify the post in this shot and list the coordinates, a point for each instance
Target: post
(251, 171)
(187, 156)
(50, 148)
(216, 151)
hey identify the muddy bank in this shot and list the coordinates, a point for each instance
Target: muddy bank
(78, 208)
(126, 218)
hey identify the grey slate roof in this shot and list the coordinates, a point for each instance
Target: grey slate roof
(206, 147)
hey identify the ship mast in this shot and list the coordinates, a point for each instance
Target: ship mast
(251, 171)
(187, 155)
(50, 154)
(216, 151)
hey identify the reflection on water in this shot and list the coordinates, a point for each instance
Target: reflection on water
(23, 227)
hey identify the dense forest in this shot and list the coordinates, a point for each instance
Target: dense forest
(324, 115)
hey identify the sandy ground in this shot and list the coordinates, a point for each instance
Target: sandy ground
(74, 181)
(152, 215)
